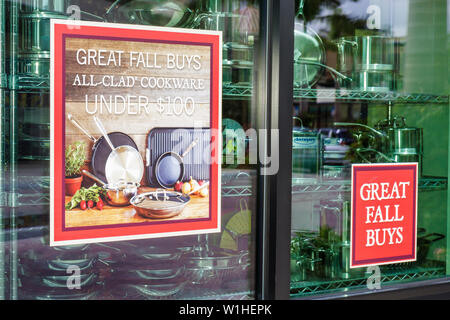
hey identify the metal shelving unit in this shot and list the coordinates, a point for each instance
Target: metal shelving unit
(38, 187)
(232, 91)
(237, 191)
(37, 191)
(425, 184)
(305, 288)
(24, 83)
(367, 96)
(317, 190)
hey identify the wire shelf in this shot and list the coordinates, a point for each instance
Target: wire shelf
(36, 189)
(329, 95)
(305, 288)
(232, 91)
(31, 83)
(236, 191)
(425, 184)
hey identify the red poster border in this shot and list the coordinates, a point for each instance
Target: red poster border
(62, 29)
(392, 259)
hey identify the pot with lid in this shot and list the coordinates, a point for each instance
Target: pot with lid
(404, 144)
(396, 142)
(369, 60)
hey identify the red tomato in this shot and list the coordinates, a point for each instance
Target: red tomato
(178, 186)
(100, 204)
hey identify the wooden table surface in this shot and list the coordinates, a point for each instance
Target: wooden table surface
(198, 207)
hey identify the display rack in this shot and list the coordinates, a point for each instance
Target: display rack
(37, 188)
(305, 288)
(231, 91)
(425, 184)
(368, 96)
(325, 188)
(24, 83)
(35, 191)
(242, 91)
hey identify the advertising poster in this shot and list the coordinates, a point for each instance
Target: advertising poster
(136, 132)
(384, 214)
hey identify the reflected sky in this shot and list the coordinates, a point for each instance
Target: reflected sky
(393, 15)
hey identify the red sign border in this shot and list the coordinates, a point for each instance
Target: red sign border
(387, 260)
(60, 29)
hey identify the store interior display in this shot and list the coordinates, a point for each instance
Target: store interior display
(358, 98)
(218, 266)
(354, 112)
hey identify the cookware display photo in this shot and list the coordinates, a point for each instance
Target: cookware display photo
(101, 149)
(160, 204)
(162, 140)
(124, 163)
(169, 167)
(117, 194)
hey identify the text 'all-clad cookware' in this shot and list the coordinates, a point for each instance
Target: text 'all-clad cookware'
(101, 149)
(117, 194)
(124, 163)
(169, 167)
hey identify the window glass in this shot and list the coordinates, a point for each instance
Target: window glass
(214, 266)
(365, 72)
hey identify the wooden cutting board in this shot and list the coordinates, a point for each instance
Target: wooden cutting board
(198, 207)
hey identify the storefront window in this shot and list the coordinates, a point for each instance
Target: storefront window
(370, 90)
(217, 265)
(366, 73)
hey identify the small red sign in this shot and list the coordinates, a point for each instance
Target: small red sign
(384, 214)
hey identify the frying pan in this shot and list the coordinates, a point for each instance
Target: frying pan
(169, 167)
(124, 162)
(156, 206)
(153, 204)
(101, 149)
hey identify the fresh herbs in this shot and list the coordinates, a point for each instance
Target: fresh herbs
(84, 195)
(75, 157)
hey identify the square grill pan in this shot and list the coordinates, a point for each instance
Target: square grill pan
(196, 162)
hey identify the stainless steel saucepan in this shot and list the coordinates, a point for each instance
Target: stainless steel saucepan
(397, 142)
(369, 60)
(118, 194)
